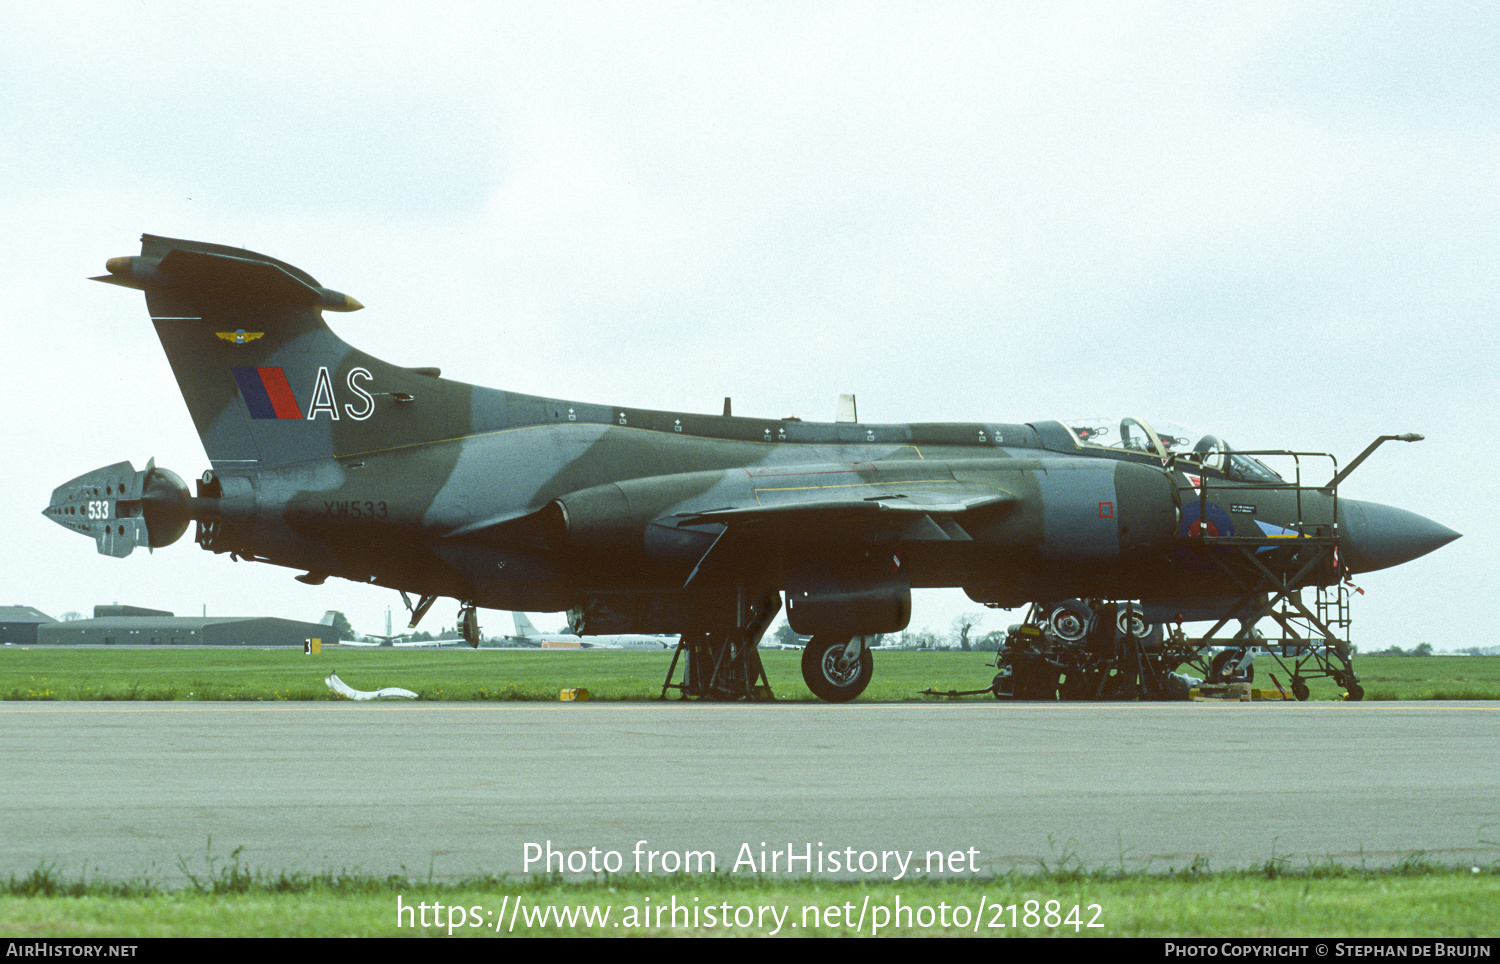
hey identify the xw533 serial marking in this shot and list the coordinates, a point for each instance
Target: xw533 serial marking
(354, 509)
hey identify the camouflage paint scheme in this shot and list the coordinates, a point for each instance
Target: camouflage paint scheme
(332, 461)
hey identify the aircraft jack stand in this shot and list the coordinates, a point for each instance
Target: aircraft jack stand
(725, 666)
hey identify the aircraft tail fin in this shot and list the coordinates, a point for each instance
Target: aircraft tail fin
(267, 382)
(524, 628)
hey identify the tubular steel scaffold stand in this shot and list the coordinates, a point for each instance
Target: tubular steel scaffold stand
(1116, 656)
(1274, 571)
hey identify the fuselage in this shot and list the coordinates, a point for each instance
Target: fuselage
(537, 517)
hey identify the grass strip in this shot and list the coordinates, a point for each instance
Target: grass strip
(36, 673)
(1416, 899)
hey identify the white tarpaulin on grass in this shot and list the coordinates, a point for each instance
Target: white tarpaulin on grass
(345, 690)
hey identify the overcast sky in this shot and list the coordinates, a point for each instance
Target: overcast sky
(1274, 222)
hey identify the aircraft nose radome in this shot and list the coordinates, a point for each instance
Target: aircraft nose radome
(1379, 536)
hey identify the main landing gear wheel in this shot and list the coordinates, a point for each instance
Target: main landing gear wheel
(1070, 620)
(1131, 623)
(468, 618)
(831, 673)
(1299, 688)
(1245, 675)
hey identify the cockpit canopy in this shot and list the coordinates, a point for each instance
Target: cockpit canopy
(1134, 435)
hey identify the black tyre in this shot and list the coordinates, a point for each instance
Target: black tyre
(1354, 693)
(1216, 669)
(1129, 620)
(1299, 688)
(830, 675)
(1151, 640)
(1069, 621)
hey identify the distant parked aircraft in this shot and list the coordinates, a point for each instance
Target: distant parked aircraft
(528, 633)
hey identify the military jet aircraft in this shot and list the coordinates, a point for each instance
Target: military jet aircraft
(331, 461)
(376, 641)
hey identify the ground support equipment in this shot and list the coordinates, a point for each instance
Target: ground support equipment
(1098, 649)
(726, 665)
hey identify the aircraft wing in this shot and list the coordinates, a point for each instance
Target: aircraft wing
(756, 509)
(923, 510)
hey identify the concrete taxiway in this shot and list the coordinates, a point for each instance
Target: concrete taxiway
(130, 789)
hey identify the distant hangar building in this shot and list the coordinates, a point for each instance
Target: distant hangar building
(19, 624)
(168, 630)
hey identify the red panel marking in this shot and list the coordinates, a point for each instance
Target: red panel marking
(1106, 510)
(280, 392)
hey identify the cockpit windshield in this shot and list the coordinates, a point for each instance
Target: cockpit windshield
(1134, 435)
(1116, 433)
(1247, 468)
